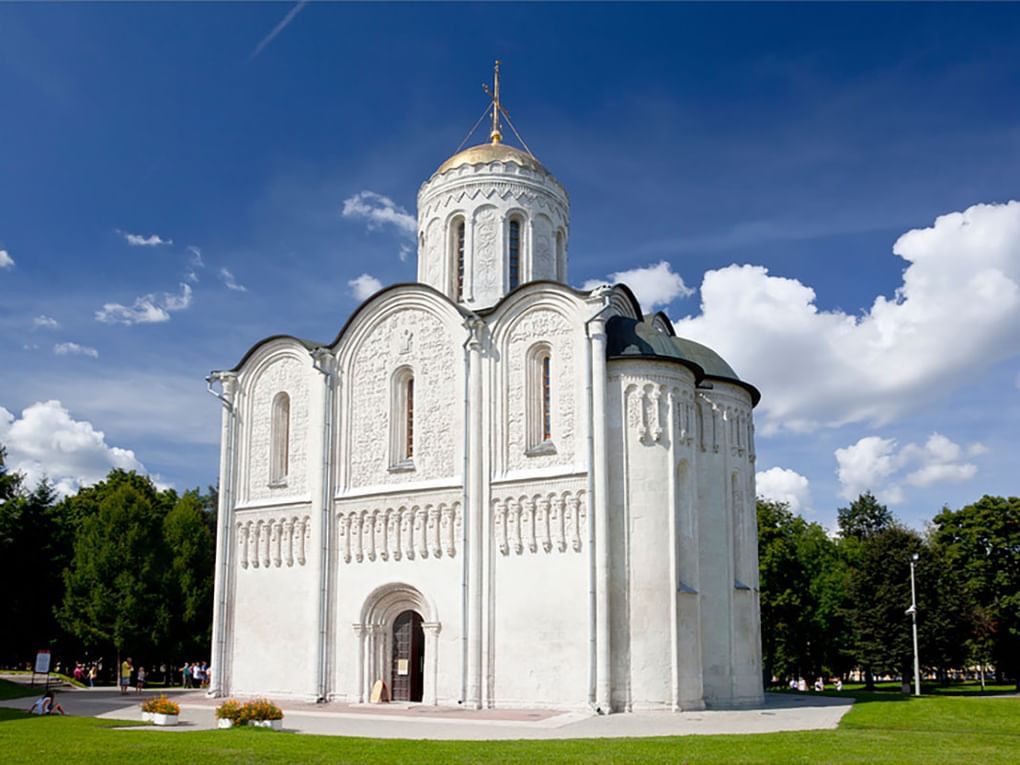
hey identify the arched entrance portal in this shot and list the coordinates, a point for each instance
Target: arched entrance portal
(408, 657)
(398, 624)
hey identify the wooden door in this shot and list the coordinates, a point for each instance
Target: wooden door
(408, 657)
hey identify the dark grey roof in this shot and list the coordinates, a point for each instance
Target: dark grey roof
(633, 338)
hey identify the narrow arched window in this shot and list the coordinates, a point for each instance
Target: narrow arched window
(458, 244)
(409, 419)
(539, 417)
(546, 398)
(279, 439)
(514, 253)
(402, 420)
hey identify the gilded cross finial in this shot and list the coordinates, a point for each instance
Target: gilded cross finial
(496, 135)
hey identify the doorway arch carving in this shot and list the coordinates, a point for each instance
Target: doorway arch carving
(375, 638)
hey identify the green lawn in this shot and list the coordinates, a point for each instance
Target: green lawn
(882, 728)
(9, 690)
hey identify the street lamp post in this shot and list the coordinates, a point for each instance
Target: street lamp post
(913, 618)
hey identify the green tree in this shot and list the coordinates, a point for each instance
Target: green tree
(801, 580)
(982, 543)
(878, 596)
(191, 545)
(864, 517)
(945, 619)
(114, 585)
(10, 482)
(33, 549)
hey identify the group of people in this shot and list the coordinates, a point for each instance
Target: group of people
(89, 673)
(800, 684)
(196, 675)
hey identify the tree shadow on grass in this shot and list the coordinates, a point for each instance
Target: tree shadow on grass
(800, 698)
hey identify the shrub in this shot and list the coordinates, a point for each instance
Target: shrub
(161, 706)
(260, 709)
(229, 710)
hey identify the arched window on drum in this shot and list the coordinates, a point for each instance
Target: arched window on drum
(514, 252)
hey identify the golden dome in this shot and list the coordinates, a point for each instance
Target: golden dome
(491, 152)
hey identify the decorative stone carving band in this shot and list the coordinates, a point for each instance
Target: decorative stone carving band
(270, 542)
(545, 522)
(398, 533)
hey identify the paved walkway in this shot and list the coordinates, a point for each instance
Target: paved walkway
(781, 712)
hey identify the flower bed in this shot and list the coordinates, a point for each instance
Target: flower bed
(258, 713)
(229, 713)
(161, 711)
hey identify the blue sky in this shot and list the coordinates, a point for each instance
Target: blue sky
(721, 140)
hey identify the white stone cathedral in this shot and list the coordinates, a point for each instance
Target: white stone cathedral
(491, 489)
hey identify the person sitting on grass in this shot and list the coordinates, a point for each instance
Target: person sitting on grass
(46, 705)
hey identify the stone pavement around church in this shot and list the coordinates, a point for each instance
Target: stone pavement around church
(781, 712)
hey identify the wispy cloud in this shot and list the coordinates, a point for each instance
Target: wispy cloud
(230, 282)
(73, 349)
(284, 23)
(46, 322)
(138, 240)
(195, 262)
(6, 261)
(147, 309)
(405, 252)
(364, 286)
(379, 210)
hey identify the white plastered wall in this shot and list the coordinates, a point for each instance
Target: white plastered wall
(274, 532)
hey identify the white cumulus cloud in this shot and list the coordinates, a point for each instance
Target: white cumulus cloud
(230, 282)
(147, 309)
(364, 286)
(6, 261)
(378, 211)
(47, 441)
(138, 240)
(73, 349)
(879, 465)
(46, 322)
(654, 286)
(956, 313)
(785, 485)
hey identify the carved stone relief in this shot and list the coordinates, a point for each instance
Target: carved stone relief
(399, 533)
(431, 354)
(273, 542)
(541, 325)
(543, 263)
(434, 248)
(488, 271)
(646, 411)
(289, 375)
(542, 522)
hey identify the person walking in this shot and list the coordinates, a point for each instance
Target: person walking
(92, 676)
(186, 675)
(125, 675)
(140, 682)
